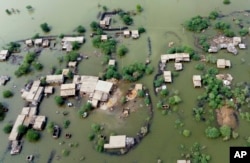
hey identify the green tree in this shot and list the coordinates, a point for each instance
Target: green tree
(37, 65)
(186, 133)
(66, 123)
(164, 92)
(50, 127)
(147, 100)
(75, 45)
(212, 132)
(226, 2)
(95, 127)
(122, 50)
(7, 128)
(32, 135)
(80, 29)
(141, 30)
(71, 56)
(7, 94)
(197, 24)
(225, 131)
(213, 15)
(94, 26)
(141, 93)
(59, 100)
(127, 20)
(149, 70)
(45, 27)
(21, 129)
(243, 32)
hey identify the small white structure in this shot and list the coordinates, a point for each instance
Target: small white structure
(242, 46)
(88, 83)
(4, 54)
(236, 41)
(29, 42)
(197, 80)
(72, 64)
(39, 122)
(111, 62)
(167, 76)
(183, 161)
(67, 42)
(116, 142)
(138, 86)
(46, 43)
(104, 37)
(65, 71)
(105, 22)
(178, 66)
(48, 90)
(38, 42)
(135, 34)
(126, 33)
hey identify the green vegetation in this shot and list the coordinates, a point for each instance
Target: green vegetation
(243, 32)
(139, 8)
(80, 29)
(149, 69)
(184, 49)
(122, 50)
(174, 100)
(141, 30)
(105, 8)
(29, 8)
(7, 128)
(91, 136)
(94, 26)
(76, 45)
(13, 47)
(133, 72)
(95, 127)
(45, 27)
(37, 65)
(22, 129)
(147, 100)
(107, 47)
(66, 123)
(32, 135)
(123, 100)
(111, 72)
(225, 27)
(200, 66)
(7, 94)
(204, 43)
(197, 24)
(212, 132)
(213, 15)
(225, 132)
(59, 100)
(186, 133)
(58, 71)
(71, 56)
(226, 2)
(36, 36)
(228, 33)
(8, 11)
(164, 92)
(141, 93)
(65, 152)
(87, 107)
(50, 127)
(159, 81)
(126, 18)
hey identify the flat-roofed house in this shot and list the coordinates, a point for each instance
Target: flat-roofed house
(67, 42)
(135, 34)
(72, 64)
(236, 40)
(68, 90)
(48, 90)
(4, 54)
(88, 84)
(29, 113)
(39, 122)
(183, 161)
(126, 33)
(55, 79)
(197, 80)
(29, 42)
(116, 142)
(46, 43)
(223, 63)
(34, 95)
(104, 37)
(167, 76)
(65, 71)
(111, 62)
(14, 132)
(178, 66)
(38, 41)
(102, 23)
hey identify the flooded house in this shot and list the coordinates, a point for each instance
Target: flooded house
(34, 95)
(4, 54)
(226, 78)
(104, 37)
(46, 43)
(67, 42)
(135, 34)
(223, 63)
(87, 84)
(4, 79)
(178, 66)
(126, 33)
(65, 71)
(38, 42)
(29, 113)
(111, 62)
(197, 81)
(29, 42)
(183, 161)
(55, 79)
(39, 122)
(116, 142)
(72, 64)
(68, 90)
(167, 76)
(14, 135)
(177, 57)
(48, 90)
(105, 22)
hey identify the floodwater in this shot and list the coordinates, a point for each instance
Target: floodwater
(162, 20)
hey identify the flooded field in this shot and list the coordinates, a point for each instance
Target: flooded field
(162, 20)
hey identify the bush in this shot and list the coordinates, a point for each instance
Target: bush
(13, 47)
(147, 100)
(45, 27)
(94, 26)
(59, 100)
(164, 92)
(71, 56)
(139, 8)
(66, 123)
(8, 11)
(7, 128)
(225, 131)
(149, 70)
(91, 137)
(37, 65)
(226, 2)
(141, 30)
(122, 50)
(212, 132)
(80, 29)
(243, 32)
(204, 43)
(186, 133)
(213, 15)
(141, 93)
(228, 33)
(29, 7)
(127, 19)
(174, 100)
(32, 135)
(200, 66)
(197, 24)
(96, 127)
(21, 129)
(65, 152)
(50, 127)
(7, 94)
(133, 72)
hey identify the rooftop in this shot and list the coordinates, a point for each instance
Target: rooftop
(118, 141)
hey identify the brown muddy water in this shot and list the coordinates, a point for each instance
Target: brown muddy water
(162, 19)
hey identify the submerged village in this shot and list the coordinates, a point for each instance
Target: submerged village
(119, 91)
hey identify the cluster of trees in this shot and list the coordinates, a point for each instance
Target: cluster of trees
(122, 50)
(184, 49)
(96, 28)
(59, 100)
(213, 15)
(80, 29)
(134, 71)
(13, 47)
(197, 155)
(107, 47)
(25, 67)
(197, 24)
(243, 32)
(7, 128)
(71, 56)
(45, 27)
(225, 28)
(126, 18)
(97, 136)
(159, 81)
(200, 66)
(111, 72)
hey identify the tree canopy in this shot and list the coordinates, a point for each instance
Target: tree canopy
(197, 24)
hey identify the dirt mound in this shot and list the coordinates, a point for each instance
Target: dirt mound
(227, 116)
